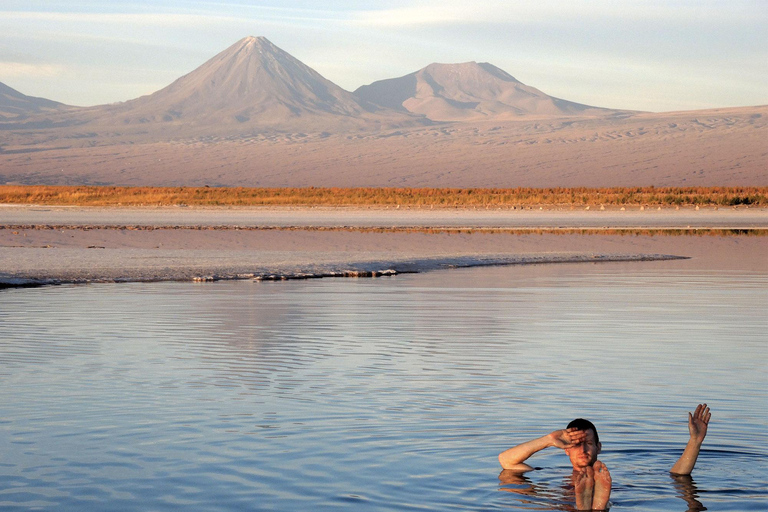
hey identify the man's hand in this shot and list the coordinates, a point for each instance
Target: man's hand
(697, 426)
(698, 422)
(568, 438)
(514, 458)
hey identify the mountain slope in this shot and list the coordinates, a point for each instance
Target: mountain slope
(15, 105)
(468, 91)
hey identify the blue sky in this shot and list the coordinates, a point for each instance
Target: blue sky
(657, 55)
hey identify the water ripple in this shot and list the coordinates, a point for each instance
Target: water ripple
(386, 395)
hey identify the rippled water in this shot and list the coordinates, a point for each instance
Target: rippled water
(386, 394)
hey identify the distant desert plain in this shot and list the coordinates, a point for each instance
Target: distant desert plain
(254, 116)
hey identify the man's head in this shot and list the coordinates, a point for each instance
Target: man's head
(584, 454)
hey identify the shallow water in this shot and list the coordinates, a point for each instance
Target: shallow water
(381, 394)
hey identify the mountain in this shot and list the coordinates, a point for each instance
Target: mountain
(15, 105)
(468, 91)
(253, 83)
(255, 87)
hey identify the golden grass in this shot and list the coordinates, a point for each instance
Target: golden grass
(721, 232)
(406, 197)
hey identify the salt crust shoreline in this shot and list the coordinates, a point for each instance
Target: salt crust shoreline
(55, 245)
(353, 269)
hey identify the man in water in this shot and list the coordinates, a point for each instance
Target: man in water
(591, 478)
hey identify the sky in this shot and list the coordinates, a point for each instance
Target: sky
(656, 55)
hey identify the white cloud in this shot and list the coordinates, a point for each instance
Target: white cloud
(445, 12)
(203, 15)
(143, 19)
(411, 16)
(20, 69)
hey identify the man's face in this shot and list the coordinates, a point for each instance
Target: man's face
(584, 454)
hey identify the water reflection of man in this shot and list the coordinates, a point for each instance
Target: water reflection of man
(591, 478)
(686, 489)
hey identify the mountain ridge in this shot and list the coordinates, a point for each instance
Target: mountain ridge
(254, 86)
(16, 105)
(467, 91)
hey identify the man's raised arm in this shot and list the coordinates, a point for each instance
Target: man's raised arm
(697, 427)
(515, 458)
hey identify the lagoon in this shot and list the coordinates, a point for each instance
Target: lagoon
(382, 394)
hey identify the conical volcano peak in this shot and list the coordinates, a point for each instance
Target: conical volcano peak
(259, 49)
(261, 40)
(260, 43)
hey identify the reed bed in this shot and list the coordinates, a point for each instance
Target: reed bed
(374, 196)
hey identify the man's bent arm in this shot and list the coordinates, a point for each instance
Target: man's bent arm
(697, 427)
(515, 458)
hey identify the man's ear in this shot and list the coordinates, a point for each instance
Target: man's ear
(599, 447)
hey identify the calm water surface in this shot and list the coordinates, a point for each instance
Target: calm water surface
(385, 394)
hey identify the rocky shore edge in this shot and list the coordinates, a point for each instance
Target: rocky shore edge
(368, 269)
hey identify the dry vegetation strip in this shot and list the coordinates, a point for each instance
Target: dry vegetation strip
(17, 229)
(418, 197)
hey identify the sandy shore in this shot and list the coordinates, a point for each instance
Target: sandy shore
(60, 245)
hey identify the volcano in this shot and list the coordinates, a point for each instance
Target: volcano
(253, 83)
(468, 91)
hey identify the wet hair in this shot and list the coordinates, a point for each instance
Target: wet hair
(582, 424)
